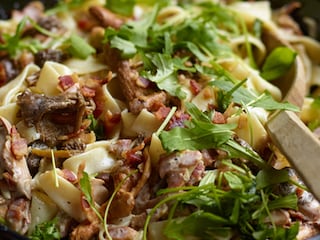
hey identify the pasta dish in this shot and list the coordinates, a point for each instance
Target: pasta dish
(146, 120)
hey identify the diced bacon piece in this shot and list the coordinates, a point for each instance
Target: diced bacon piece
(88, 92)
(69, 175)
(19, 145)
(66, 82)
(182, 168)
(218, 118)
(162, 113)
(195, 87)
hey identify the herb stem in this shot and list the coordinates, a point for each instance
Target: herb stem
(54, 168)
(105, 225)
(166, 121)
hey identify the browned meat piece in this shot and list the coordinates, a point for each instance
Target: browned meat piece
(8, 71)
(13, 150)
(122, 233)
(49, 55)
(182, 168)
(137, 95)
(84, 232)
(151, 102)
(18, 215)
(137, 221)
(121, 206)
(105, 17)
(128, 78)
(120, 147)
(55, 118)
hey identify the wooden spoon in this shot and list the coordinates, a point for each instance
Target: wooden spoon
(291, 135)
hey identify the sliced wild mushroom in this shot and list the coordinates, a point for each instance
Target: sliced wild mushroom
(56, 118)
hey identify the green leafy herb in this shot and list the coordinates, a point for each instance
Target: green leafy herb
(165, 74)
(257, 28)
(200, 133)
(241, 208)
(202, 136)
(278, 63)
(266, 101)
(46, 230)
(238, 94)
(207, 226)
(85, 185)
(78, 47)
(270, 176)
(132, 35)
(123, 7)
(248, 46)
(235, 150)
(12, 44)
(97, 127)
(288, 201)
(65, 6)
(209, 177)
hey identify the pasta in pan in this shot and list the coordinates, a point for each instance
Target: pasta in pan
(147, 121)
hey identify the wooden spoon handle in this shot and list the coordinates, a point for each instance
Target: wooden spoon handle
(299, 145)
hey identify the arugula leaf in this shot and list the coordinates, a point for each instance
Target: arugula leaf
(132, 35)
(78, 47)
(196, 113)
(270, 176)
(126, 7)
(85, 186)
(202, 136)
(128, 49)
(46, 230)
(165, 76)
(97, 127)
(220, 15)
(241, 208)
(65, 6)
(242, 95)
(267, 102)
(13, 43)
(209, 177)
(277, 233)
(235, 150)
(230, 92)
(208, 225)
(233, 180)
(278, 63)
(200, 133)
(123, 7)
(288, 201)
